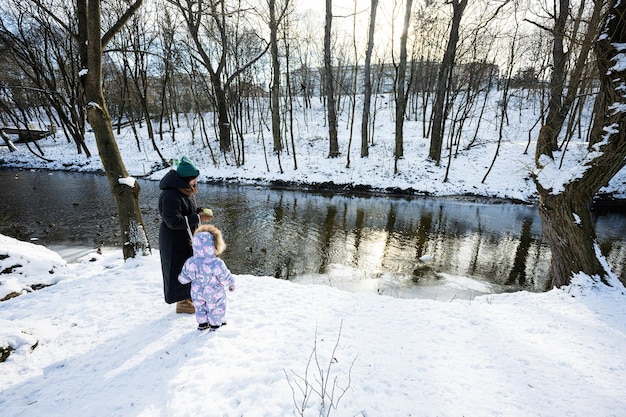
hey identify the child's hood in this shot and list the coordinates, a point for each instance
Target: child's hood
(204, 245)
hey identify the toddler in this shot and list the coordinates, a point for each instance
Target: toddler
(209, 276)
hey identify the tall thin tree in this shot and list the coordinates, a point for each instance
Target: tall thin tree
(367, 81)
(329, 84)
(443, 78)
(401, 87)
(126, 192)
(275, 88)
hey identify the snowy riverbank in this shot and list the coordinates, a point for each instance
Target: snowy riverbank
(468, 172)
(101, 341)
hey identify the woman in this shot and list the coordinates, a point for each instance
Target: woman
(180, 217)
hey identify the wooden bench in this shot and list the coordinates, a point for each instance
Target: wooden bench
(24, 135)
(28, 134)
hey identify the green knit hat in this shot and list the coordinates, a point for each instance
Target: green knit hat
(186, 169)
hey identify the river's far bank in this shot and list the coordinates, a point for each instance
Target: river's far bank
(493, 165)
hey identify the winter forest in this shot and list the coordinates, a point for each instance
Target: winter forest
(225, 68)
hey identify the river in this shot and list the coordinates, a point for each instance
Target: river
(405, 247)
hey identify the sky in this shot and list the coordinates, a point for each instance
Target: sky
(353, 16)
(100, 340)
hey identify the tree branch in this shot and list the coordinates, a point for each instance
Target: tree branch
(248, 64)
(540, 26)
(121, 22)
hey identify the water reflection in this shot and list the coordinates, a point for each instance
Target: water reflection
(401, 247)
(298, 234)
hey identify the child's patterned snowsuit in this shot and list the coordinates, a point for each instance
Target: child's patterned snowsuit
(209, 276)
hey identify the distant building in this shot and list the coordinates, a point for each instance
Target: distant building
(423, 76)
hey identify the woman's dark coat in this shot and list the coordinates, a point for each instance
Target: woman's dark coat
(179, 220)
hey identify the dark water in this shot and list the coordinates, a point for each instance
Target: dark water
(358, 243)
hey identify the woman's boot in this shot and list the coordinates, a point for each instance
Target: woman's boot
(185, 306)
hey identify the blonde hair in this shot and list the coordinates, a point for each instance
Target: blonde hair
(220, 245)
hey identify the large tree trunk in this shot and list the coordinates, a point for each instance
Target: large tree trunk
(566, 215)
(436, 138)
(567, 227)
(134, 237)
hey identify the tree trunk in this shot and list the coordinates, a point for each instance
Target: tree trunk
(290, 97)
(558, 109)
(333, 151)
(223, 119)
(400, 87)
(547, 141)
(568, 229)
(355, 76)
(134, 237)
(436, 138)
(275, 94)
(566, 215)
(367, 88)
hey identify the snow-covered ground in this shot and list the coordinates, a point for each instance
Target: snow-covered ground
(100, 341)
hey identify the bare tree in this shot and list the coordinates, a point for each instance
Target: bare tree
(84, 26)
(208, 27)
(400, 86)
(275, 21)
(168, 63)
(559, 105)
(329, 84)
(289, 97)
(91, 43)
(44, 59)
(137, 55)
(353, 90)
(275, 89)
(367, 80)
(443, 81)
(565, 212)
